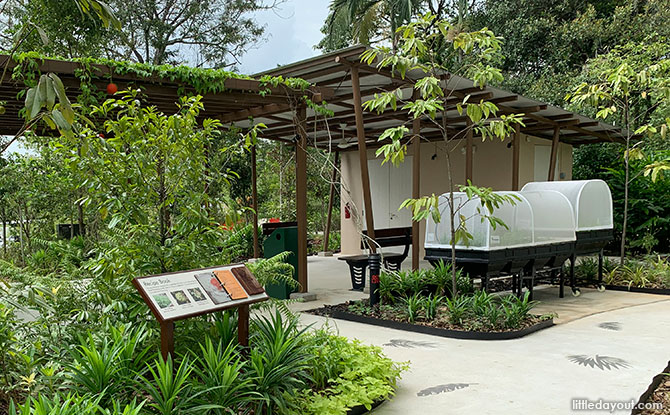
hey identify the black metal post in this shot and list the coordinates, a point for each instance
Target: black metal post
(374, 261)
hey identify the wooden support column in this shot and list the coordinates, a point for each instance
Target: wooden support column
(333, 178)
(167, 339)
(254, 200)
(301, 195)
(468, 150)
(554, 153)
(363, 155)
(243, 325)
(516, 148)
(416, 186)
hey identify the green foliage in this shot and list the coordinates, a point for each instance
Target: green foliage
(221, 370)
(239, 243)
(274, 270)
(412, 306)
(651, 272)
(279, 361)
(95, 368)
(649, 212)
(398, 285)
(347, 374)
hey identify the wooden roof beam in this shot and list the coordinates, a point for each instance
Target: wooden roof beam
(259, 111)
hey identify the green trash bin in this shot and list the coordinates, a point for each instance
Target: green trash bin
(281, 237)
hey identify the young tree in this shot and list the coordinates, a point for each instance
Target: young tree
(146, 176)
(377, 21)
(422, 45)
(630, 86)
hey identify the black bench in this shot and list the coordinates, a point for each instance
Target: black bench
(384, 238)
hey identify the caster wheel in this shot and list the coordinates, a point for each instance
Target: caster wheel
(601, 288)
(576, 292)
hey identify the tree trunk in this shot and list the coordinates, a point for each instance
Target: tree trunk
(82, 225)
(4, 230)
(625, 203)
(626, 160)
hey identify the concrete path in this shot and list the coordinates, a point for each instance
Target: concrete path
(608, 346)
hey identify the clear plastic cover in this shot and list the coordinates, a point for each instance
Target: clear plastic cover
(553, 220)
(536, 218)
(591, 201)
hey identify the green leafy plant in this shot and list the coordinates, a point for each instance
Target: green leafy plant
(170, 390)
(221, 370)
(431, 304)
(274, 270)
(517, 309)
(346, 374)
(413, 306)
(279, 361)
(95, 368)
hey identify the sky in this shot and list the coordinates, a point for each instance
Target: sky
(292, 31)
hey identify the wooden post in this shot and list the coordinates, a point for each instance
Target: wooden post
(326, 235)
(554, 153)
(363, 155)
(416, 186)
(301, 195)
(167, 339)
(516, 143)
(254, 200)
(468, 150)
(243, 325)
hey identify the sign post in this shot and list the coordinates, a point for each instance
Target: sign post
(185, 294)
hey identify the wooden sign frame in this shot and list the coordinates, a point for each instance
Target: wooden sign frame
(241, 283)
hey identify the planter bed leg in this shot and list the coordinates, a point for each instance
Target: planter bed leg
(573, 283)
(532, 283)
(600, 268)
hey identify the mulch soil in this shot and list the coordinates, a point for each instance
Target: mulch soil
(660, 395)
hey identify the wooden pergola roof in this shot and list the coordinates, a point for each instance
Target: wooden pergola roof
(333, 71)
(241, 93)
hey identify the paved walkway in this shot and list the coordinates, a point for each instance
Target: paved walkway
(607, 346)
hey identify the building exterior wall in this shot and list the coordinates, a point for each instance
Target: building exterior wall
(492, 167)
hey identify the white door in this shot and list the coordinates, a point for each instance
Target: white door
(541, 165)
(389, 187)
(379, 192)
(399, 191)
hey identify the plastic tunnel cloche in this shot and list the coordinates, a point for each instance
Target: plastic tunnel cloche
(591, 201)
(536, 218)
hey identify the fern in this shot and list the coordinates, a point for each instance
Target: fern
(274, 270)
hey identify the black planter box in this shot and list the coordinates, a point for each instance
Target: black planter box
(642, 290)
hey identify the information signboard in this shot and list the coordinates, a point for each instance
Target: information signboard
(185, 294)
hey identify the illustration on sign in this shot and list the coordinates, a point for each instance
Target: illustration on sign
(213, 287)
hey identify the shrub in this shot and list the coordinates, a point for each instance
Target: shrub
(346, 374)
(647, 273)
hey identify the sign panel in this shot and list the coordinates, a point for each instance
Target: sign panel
(180, 295)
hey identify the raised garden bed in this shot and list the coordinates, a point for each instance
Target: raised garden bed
(657, 393)
(435, 327)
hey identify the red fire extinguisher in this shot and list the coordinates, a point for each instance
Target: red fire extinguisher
(347, 211)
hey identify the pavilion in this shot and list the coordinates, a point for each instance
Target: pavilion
(343, 82)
